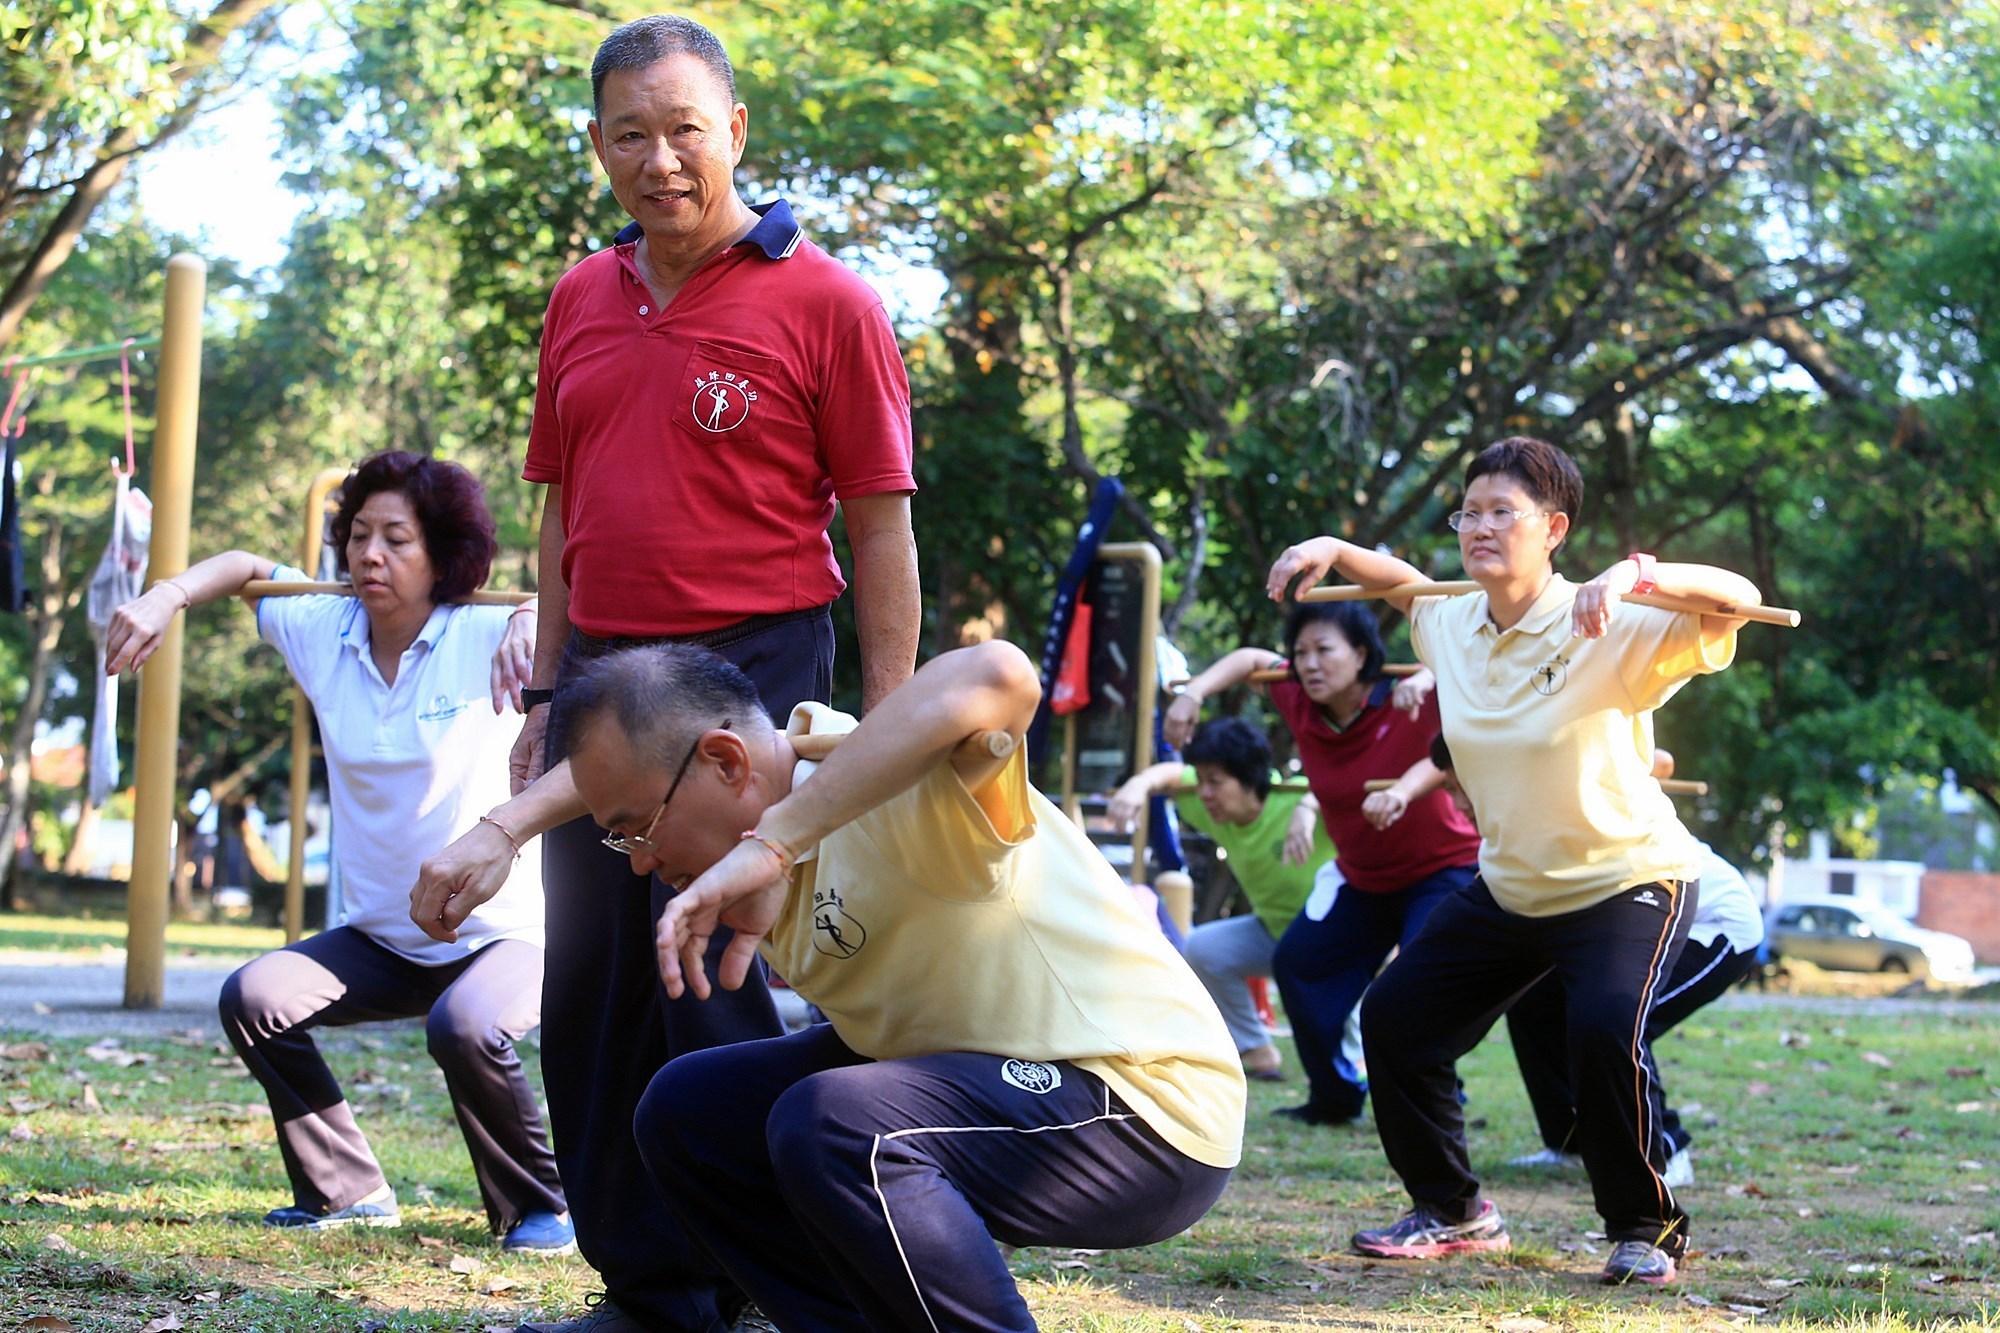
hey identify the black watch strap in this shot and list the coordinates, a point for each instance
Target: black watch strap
(531, 698)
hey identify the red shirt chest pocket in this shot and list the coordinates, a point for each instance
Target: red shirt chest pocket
(728, 396)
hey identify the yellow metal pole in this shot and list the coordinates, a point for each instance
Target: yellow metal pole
(160, 683)
(310, 543)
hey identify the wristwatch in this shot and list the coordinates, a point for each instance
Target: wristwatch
(1645, 563)
(532, 698)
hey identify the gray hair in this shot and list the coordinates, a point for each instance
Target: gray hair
(662, 697)
(648, 41)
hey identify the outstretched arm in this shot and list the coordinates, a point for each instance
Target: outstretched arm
(1229, 669)
(924, 723)
(1128, 800)
(1304, 565)
(138, 626)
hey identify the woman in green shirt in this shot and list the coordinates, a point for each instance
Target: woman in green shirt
(1275, 844)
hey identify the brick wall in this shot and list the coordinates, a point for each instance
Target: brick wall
(1963, 902)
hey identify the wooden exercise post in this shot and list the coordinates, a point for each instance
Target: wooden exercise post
(172, 488)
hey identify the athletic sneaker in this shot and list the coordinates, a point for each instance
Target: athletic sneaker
(542, 1235)
(1422, 1234)
(604, 1317)
(1639, 1261)
(1680, 1170)
(377, 1210)
(1549, 1159)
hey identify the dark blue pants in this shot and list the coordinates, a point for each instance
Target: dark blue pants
(608, 1026)
(1323, 967)
(1447, 989)
(1539, 1029)
(844, 1194)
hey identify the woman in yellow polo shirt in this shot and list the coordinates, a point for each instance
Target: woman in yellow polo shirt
(1546, 690)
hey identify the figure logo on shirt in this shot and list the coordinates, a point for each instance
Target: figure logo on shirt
(442, 709)
(1551, 676)
(722, 401)
(835, 933)
(1032, 1076)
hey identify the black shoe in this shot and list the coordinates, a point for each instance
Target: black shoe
(1309, 1114)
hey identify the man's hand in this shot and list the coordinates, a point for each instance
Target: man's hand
(1384, 808)
(1299, 834)
(1183, 714)
(1411, 691)
(456, 882)
(525, 762)
(514, 660)
(745, 891)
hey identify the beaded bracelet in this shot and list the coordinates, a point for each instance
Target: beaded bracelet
(505, 832)
(786, 858)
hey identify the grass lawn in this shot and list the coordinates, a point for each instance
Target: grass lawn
(83, 937)
(1849, 1178)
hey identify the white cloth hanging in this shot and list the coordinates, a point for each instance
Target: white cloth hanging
(120, 576)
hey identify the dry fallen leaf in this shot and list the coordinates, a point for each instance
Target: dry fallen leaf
(27, 1051)
(1879, 1060)
(89, 1102)
(465, 1263)
(166, 1323)
(50, 1324)
(1523, 1324)
(430, 1242)
(59, 1243)
(494, 1286)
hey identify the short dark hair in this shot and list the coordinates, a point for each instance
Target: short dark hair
(1356, 624)
(663, 696)
(1441, 753)
(450, 506)
(648, 41)
(1544, 471)
(1235, 747)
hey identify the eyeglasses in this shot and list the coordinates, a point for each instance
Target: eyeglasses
(625, 846)
(1501, 519)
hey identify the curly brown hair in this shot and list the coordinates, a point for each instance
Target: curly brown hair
(450, 506)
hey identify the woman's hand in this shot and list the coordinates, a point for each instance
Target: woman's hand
(456, 882)
(1299, 834)
(1590, 615)
(1183, 714)
(1300, 567)
(140, 626)
(745, 891)
(1411, 691)
(514, 660)
(1126, 803)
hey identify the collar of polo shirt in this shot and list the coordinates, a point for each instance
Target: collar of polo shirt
(777, 233)
(1550, 603)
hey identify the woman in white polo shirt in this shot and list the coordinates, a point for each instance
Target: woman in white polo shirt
(408, 684)
(1546, 690)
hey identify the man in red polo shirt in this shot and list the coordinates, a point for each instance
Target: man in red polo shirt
(709, 388)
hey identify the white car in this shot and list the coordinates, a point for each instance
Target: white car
(1860, 937)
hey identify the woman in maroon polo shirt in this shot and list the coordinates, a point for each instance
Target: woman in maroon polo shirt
(1397, 852)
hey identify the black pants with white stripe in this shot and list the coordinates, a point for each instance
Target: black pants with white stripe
(1539, 1030)
(845, 1193)
(1467, 967)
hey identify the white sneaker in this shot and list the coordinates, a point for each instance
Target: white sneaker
(1680, 1170)
(1549, 1159)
